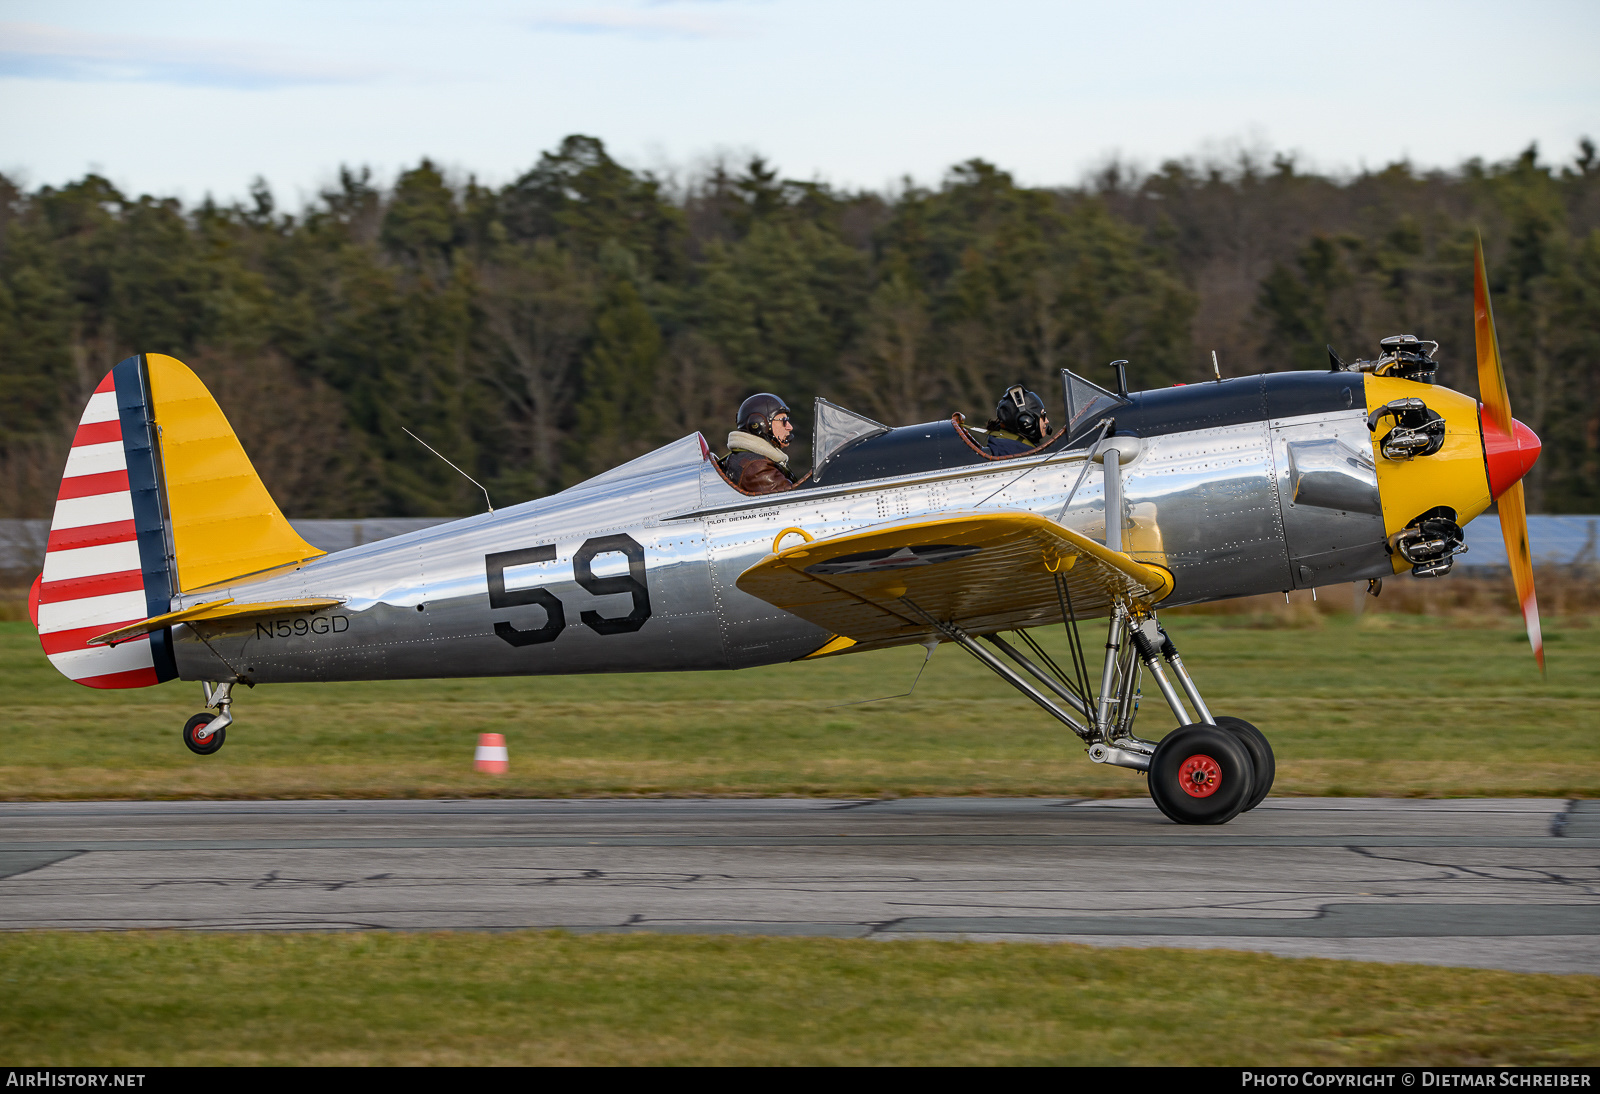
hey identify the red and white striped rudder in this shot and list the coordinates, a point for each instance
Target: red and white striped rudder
(106, 561)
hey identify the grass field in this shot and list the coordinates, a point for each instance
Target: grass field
(157, 998)
(1376, 705)
(1379, 704)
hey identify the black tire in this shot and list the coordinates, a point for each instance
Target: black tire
(1261, 758)
(1201, 774)
(211, 743)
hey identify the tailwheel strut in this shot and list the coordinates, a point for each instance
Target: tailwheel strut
(205, 732)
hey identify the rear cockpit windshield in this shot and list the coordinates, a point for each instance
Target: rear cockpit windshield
(1087, 404)
(851, 447)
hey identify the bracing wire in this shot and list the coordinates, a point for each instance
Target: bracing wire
(1069, 619)
(1105, 427)
(1050, 662)
(1105, 424)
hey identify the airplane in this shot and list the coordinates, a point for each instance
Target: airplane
(168, 559)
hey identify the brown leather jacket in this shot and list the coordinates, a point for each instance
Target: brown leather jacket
(756, 474)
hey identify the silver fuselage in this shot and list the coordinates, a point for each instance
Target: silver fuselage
(635, 570)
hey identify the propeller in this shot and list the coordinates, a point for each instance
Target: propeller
(1510, 449)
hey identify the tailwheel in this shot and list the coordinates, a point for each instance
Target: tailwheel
(1201, 774)
(1261, 758)
(212, 741)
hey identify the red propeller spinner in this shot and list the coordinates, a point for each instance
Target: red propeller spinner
(1508, 457)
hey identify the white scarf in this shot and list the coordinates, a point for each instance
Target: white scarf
(749, 442)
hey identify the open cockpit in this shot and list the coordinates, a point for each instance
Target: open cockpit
(849, 447)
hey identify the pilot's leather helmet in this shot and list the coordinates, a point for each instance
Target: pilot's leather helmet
(1021, 411)
(756, 413)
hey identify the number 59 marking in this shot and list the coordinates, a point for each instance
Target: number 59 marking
(583, 573)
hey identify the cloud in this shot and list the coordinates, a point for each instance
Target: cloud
(654, 24)
(40, 52)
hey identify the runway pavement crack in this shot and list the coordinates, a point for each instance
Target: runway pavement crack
(334, 887)
(1364, 852)
(557, 879)
(651, 881)
(274, 879)
(1458, 871)
(222, 882)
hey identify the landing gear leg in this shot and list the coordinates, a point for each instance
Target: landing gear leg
(1206, 771)
(1151, 641)
(204, 733)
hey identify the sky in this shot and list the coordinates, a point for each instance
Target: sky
(191, 99)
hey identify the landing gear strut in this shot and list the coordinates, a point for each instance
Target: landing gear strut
(205, 732)
(1207, 771)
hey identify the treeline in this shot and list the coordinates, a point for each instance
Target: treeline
(545, 331)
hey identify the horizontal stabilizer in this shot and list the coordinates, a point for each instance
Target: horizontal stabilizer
(210, 611)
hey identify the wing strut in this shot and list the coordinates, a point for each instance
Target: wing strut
(1051, 679)
(1135, 642)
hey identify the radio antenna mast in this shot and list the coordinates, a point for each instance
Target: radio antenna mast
(458, 470)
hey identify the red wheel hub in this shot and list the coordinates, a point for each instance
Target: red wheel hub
(1200, 776)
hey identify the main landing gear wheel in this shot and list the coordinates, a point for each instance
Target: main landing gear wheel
(1201, 774)
(1266, 766)
(211, 743)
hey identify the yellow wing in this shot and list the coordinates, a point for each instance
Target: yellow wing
(982, 571)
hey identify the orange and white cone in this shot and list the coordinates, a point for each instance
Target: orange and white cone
(491, 755)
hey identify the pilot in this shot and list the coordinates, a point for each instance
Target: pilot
(756, 461)
(1019, 422)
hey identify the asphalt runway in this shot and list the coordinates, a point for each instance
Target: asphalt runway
(1503, 883)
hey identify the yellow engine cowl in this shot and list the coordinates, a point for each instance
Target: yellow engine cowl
(1453, 477)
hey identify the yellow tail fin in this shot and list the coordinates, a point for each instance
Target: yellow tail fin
(224, 524)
